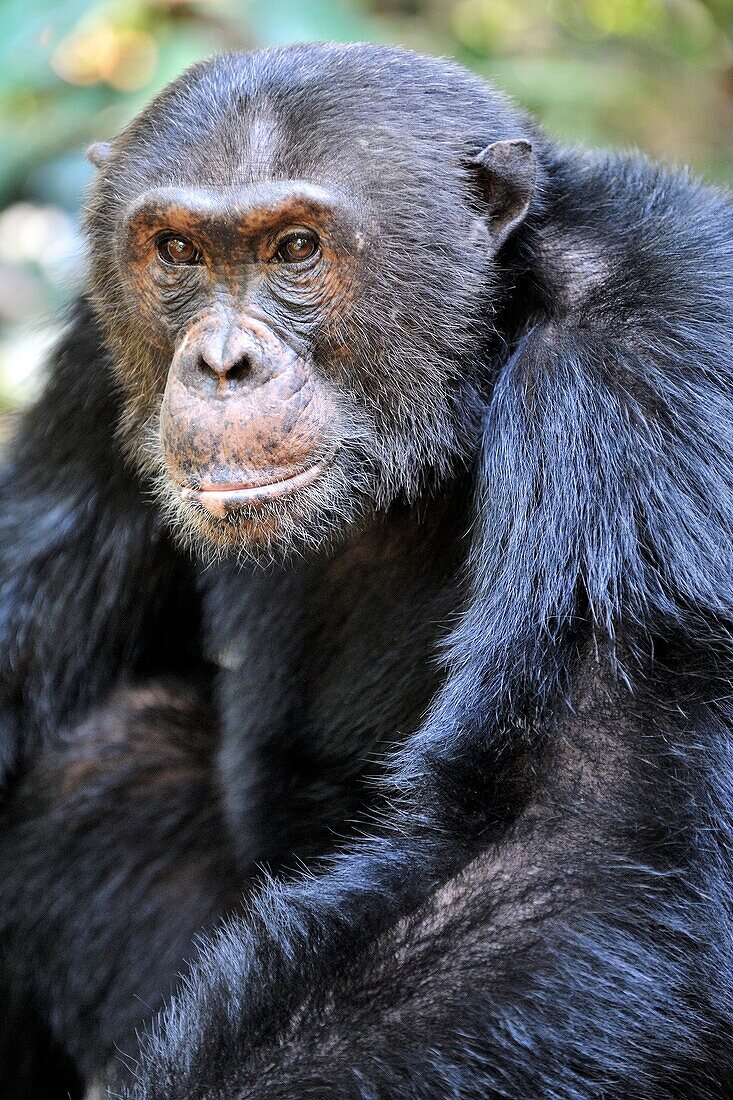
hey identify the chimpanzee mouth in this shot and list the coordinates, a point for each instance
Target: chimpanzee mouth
(221, 499)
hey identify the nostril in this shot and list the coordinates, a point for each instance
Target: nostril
(229, 372)
(238, 370)
(206, 368)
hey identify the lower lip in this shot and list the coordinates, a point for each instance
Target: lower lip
(221, 500)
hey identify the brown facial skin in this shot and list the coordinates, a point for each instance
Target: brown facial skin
(243, 420)
(235, 289)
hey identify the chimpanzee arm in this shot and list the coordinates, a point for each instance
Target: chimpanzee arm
(581, 953)
(571, 959)
(84, 568)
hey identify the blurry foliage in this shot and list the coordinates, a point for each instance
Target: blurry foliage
(657, 74)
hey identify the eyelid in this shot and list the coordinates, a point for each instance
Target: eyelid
(294, 230)
(172, 234)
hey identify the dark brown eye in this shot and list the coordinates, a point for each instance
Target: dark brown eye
(297, 246)
(173, 249)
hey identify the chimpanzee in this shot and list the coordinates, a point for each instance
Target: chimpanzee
(366, 610)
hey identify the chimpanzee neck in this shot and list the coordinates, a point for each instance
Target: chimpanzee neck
(325, 665)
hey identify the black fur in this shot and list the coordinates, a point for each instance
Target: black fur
(519, 875)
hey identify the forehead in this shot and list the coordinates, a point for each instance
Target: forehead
(245, 143)
(243, 120)
(250, 149)
(350, 120)
(262, 138)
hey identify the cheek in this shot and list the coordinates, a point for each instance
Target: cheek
(341, 290)
(319, 300)
(163, 302)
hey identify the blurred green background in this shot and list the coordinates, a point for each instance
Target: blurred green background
(657, 74)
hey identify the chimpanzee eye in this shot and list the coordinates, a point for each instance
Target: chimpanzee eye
(174, 249)
(300, 245)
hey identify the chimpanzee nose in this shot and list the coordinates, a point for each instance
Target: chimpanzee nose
(229, 358)
(231, 369)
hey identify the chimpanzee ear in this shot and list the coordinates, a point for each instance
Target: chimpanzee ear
(98, 153)
(507, 173)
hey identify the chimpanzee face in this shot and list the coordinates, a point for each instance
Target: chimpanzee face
(293, 335)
